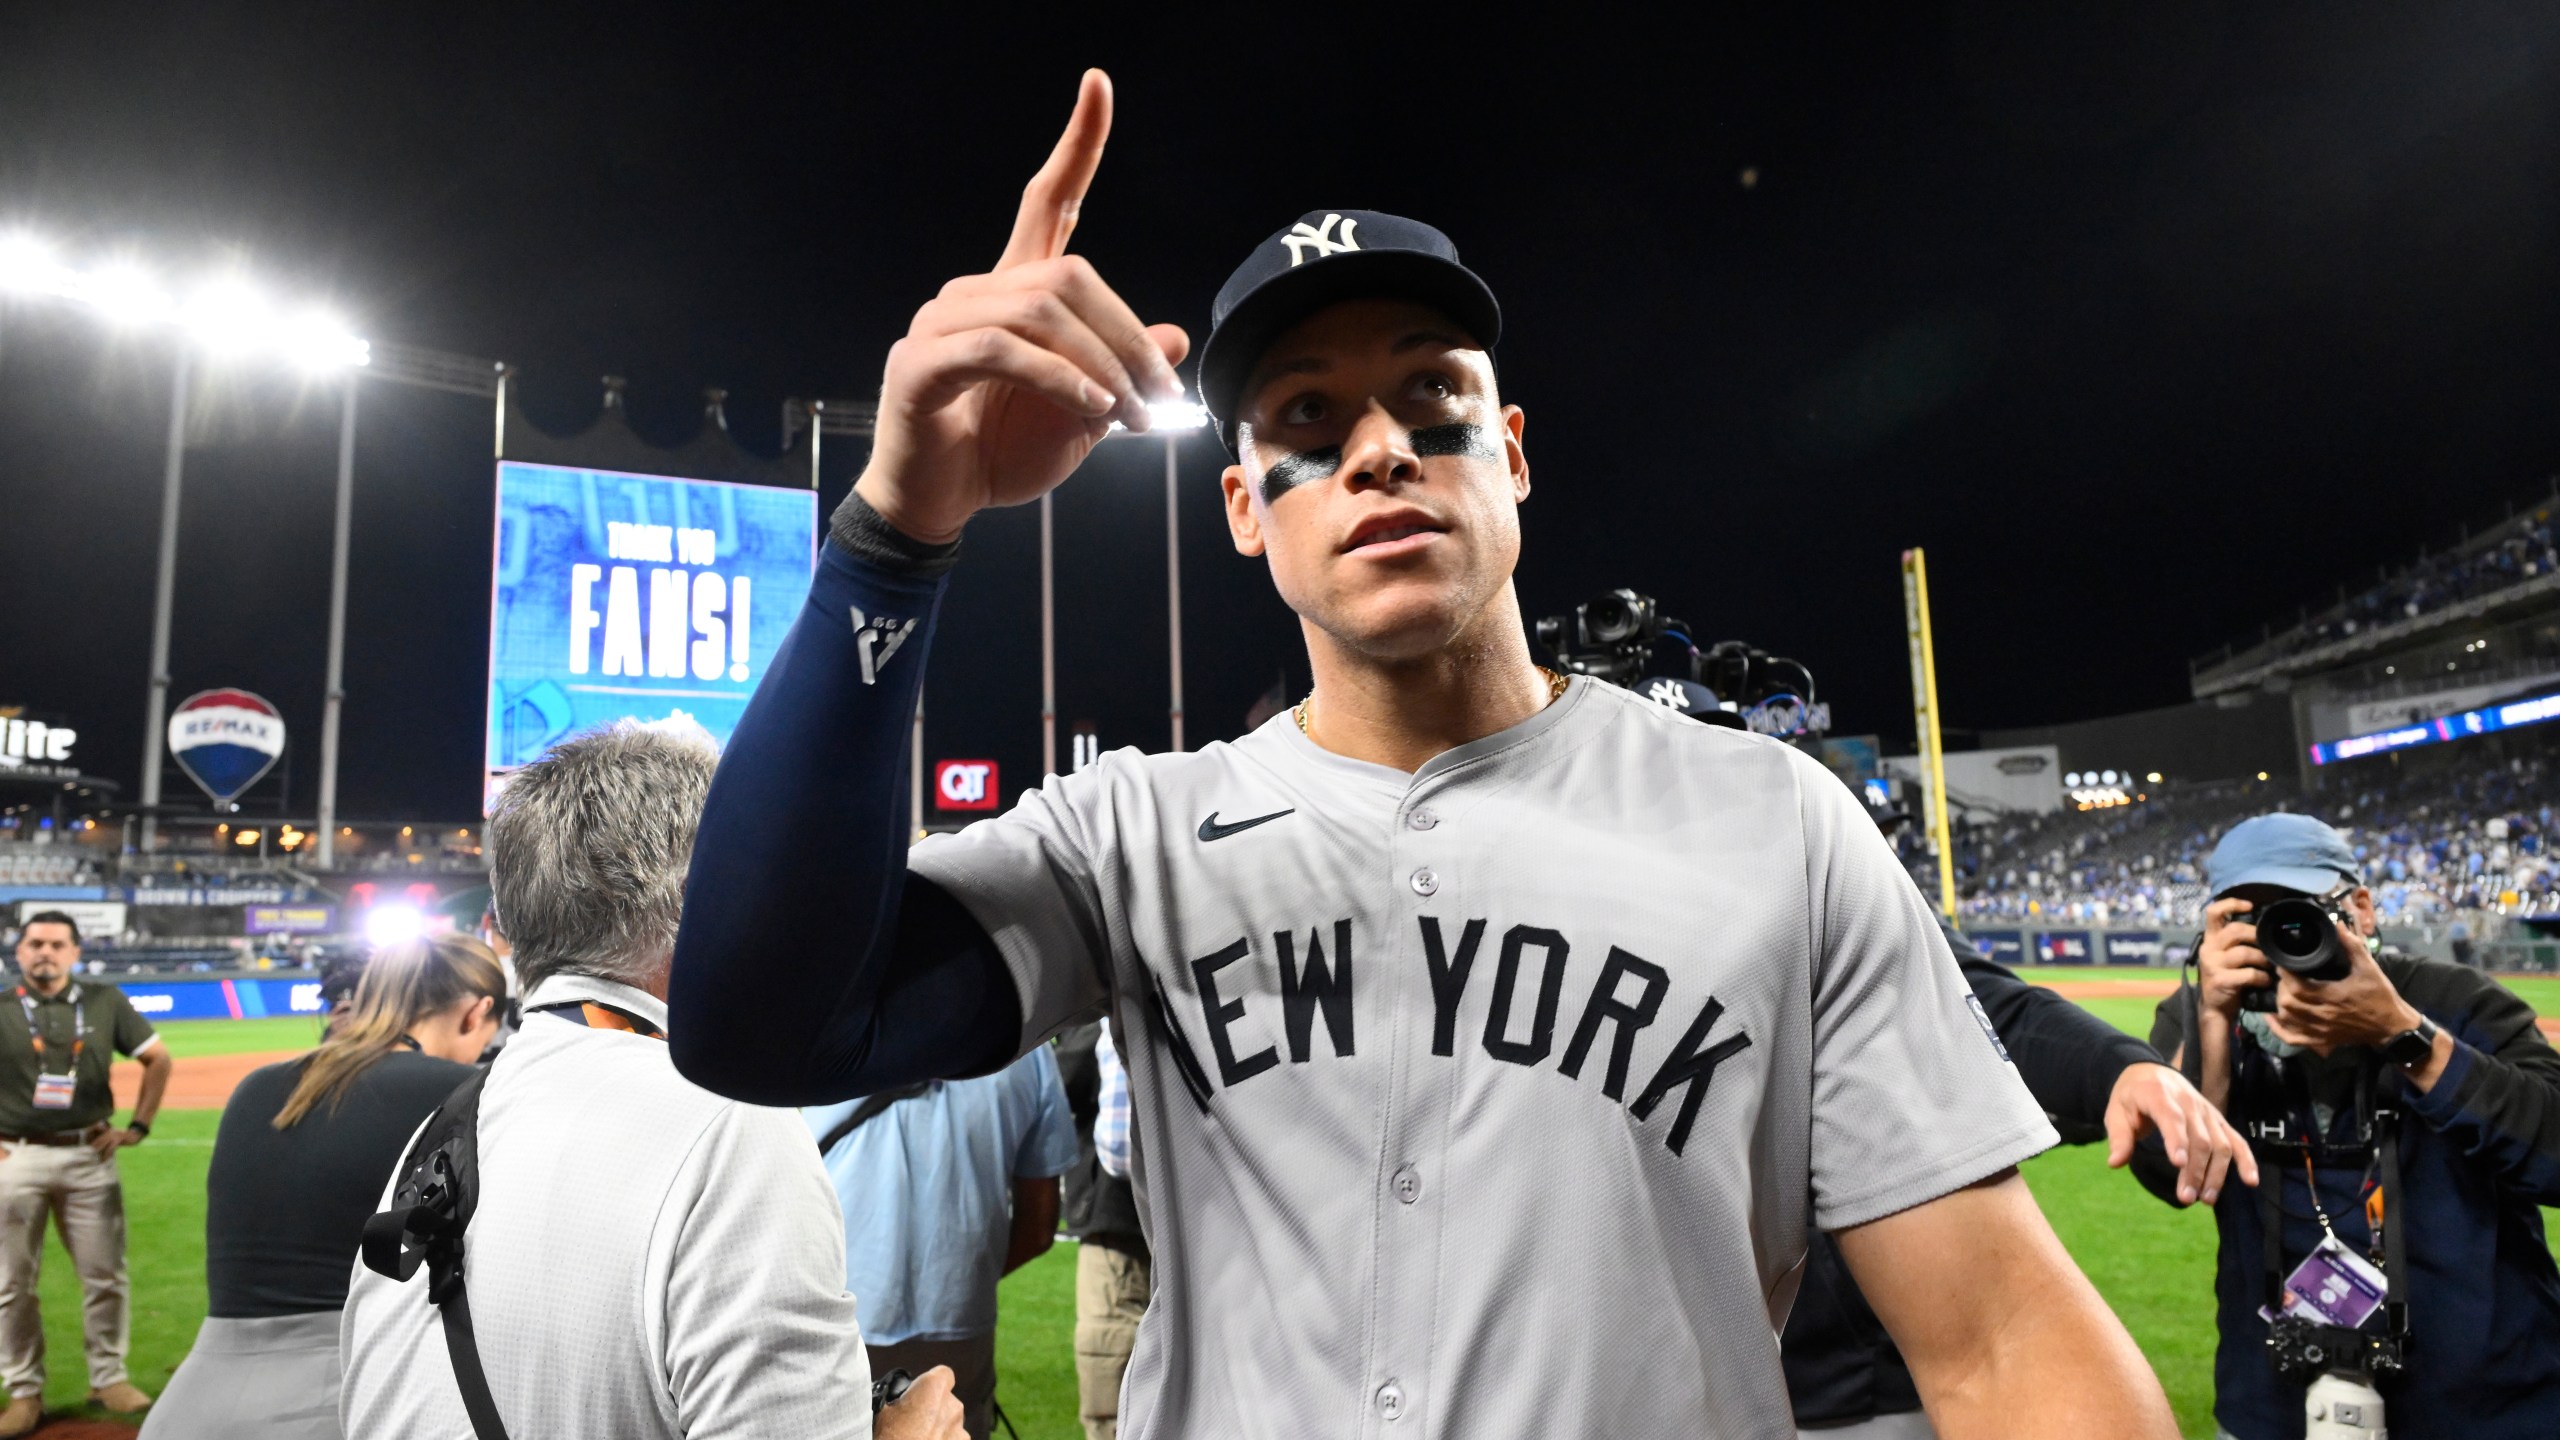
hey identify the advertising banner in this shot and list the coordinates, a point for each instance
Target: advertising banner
(232, 999)
(2539, 710)
(96, 918)
(2133, 947)
(641, 597)
(290, 919)
(225, 740)
(964, 785)
(31, 747)
(2009, 947)
(2064, 947)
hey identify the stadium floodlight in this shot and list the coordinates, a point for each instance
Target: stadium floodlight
(319, 341)
(1178, 415)
(28, 266)
(124, 293)
(1169, 418)
(394, 924)
(229, 317)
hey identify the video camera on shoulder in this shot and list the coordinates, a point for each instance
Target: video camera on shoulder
(2299, 935)
(1623, 637)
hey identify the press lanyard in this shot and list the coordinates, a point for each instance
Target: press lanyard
(2374, 1206)
(35, 1032)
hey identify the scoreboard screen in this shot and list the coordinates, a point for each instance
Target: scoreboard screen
(642, 597)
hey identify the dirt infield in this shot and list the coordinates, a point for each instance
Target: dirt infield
(2112, 989)
(201, 1082)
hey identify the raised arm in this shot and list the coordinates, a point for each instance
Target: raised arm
(811, 966)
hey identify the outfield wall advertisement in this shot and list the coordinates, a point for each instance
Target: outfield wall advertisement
(231, 999)
(619, 596)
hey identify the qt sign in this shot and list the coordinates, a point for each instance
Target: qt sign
(964, 785)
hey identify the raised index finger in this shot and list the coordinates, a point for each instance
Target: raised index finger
(1052, 200)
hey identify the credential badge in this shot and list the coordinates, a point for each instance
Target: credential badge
(1302, 235)
(875, 640)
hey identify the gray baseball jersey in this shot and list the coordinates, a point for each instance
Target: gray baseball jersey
(1492, 1100)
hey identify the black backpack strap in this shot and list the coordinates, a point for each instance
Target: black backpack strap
(436, 1190)
(869, 1110)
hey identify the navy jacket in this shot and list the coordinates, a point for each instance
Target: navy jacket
(1842, 1368)
(2479, 1157)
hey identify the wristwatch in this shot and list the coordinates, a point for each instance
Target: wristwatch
(144, 1131)
(2412, 1048)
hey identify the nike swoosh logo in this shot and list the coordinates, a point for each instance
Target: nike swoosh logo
(1210, 829)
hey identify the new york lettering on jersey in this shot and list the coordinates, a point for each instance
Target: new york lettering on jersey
(1546, 1018)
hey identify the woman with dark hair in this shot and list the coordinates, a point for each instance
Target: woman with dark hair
(304, 1150)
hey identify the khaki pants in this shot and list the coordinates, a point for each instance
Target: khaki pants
(80, 1190)
(1111, 1293)
(973, 1373)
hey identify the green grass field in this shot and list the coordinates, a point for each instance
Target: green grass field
(2153, 1264)
(238, 1037)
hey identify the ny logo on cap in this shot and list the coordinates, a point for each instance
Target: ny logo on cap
(1302, 235)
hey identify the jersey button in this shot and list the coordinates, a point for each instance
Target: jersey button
(1408, 1182)
(1391, 1400)
(1422, 819)
(1425, 882)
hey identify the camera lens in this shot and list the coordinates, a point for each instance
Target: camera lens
(2293, 934)
(2300, 935)
(1609, 620)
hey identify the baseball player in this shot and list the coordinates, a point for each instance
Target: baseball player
(1494, 1038)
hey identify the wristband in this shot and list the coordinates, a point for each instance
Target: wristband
(862, 531)
(140, 1128)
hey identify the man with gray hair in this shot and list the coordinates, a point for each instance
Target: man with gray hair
(647, 1259)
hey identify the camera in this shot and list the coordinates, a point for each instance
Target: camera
(1624, 638)
(2300, 935)
(1609, 637)
(2302, 1348)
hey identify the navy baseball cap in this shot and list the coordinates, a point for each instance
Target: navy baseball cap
(1330, 255)
(2294, 851)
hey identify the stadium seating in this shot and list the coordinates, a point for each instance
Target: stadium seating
(45, 865)
(2470, 832)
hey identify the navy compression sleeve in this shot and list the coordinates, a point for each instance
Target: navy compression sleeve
(810, 966)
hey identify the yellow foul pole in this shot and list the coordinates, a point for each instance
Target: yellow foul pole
(1924, 706)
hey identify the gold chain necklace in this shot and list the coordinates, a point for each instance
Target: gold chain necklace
(1555, 691)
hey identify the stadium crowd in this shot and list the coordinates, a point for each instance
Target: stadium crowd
(2437, 840)
(2521, 549)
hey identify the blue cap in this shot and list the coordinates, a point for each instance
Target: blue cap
(1326, 256)
(2296, 852)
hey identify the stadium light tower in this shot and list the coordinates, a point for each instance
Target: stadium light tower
(224, 318)
(1170, 422)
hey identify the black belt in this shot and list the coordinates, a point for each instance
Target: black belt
(50, 1137)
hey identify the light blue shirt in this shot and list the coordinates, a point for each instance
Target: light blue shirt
(1111, 1114)
(927, 1192)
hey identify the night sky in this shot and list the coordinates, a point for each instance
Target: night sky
(2151, 321)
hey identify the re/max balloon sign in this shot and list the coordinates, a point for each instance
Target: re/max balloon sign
(618, 596)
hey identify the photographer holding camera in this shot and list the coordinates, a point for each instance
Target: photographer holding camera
(2406, 1119)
